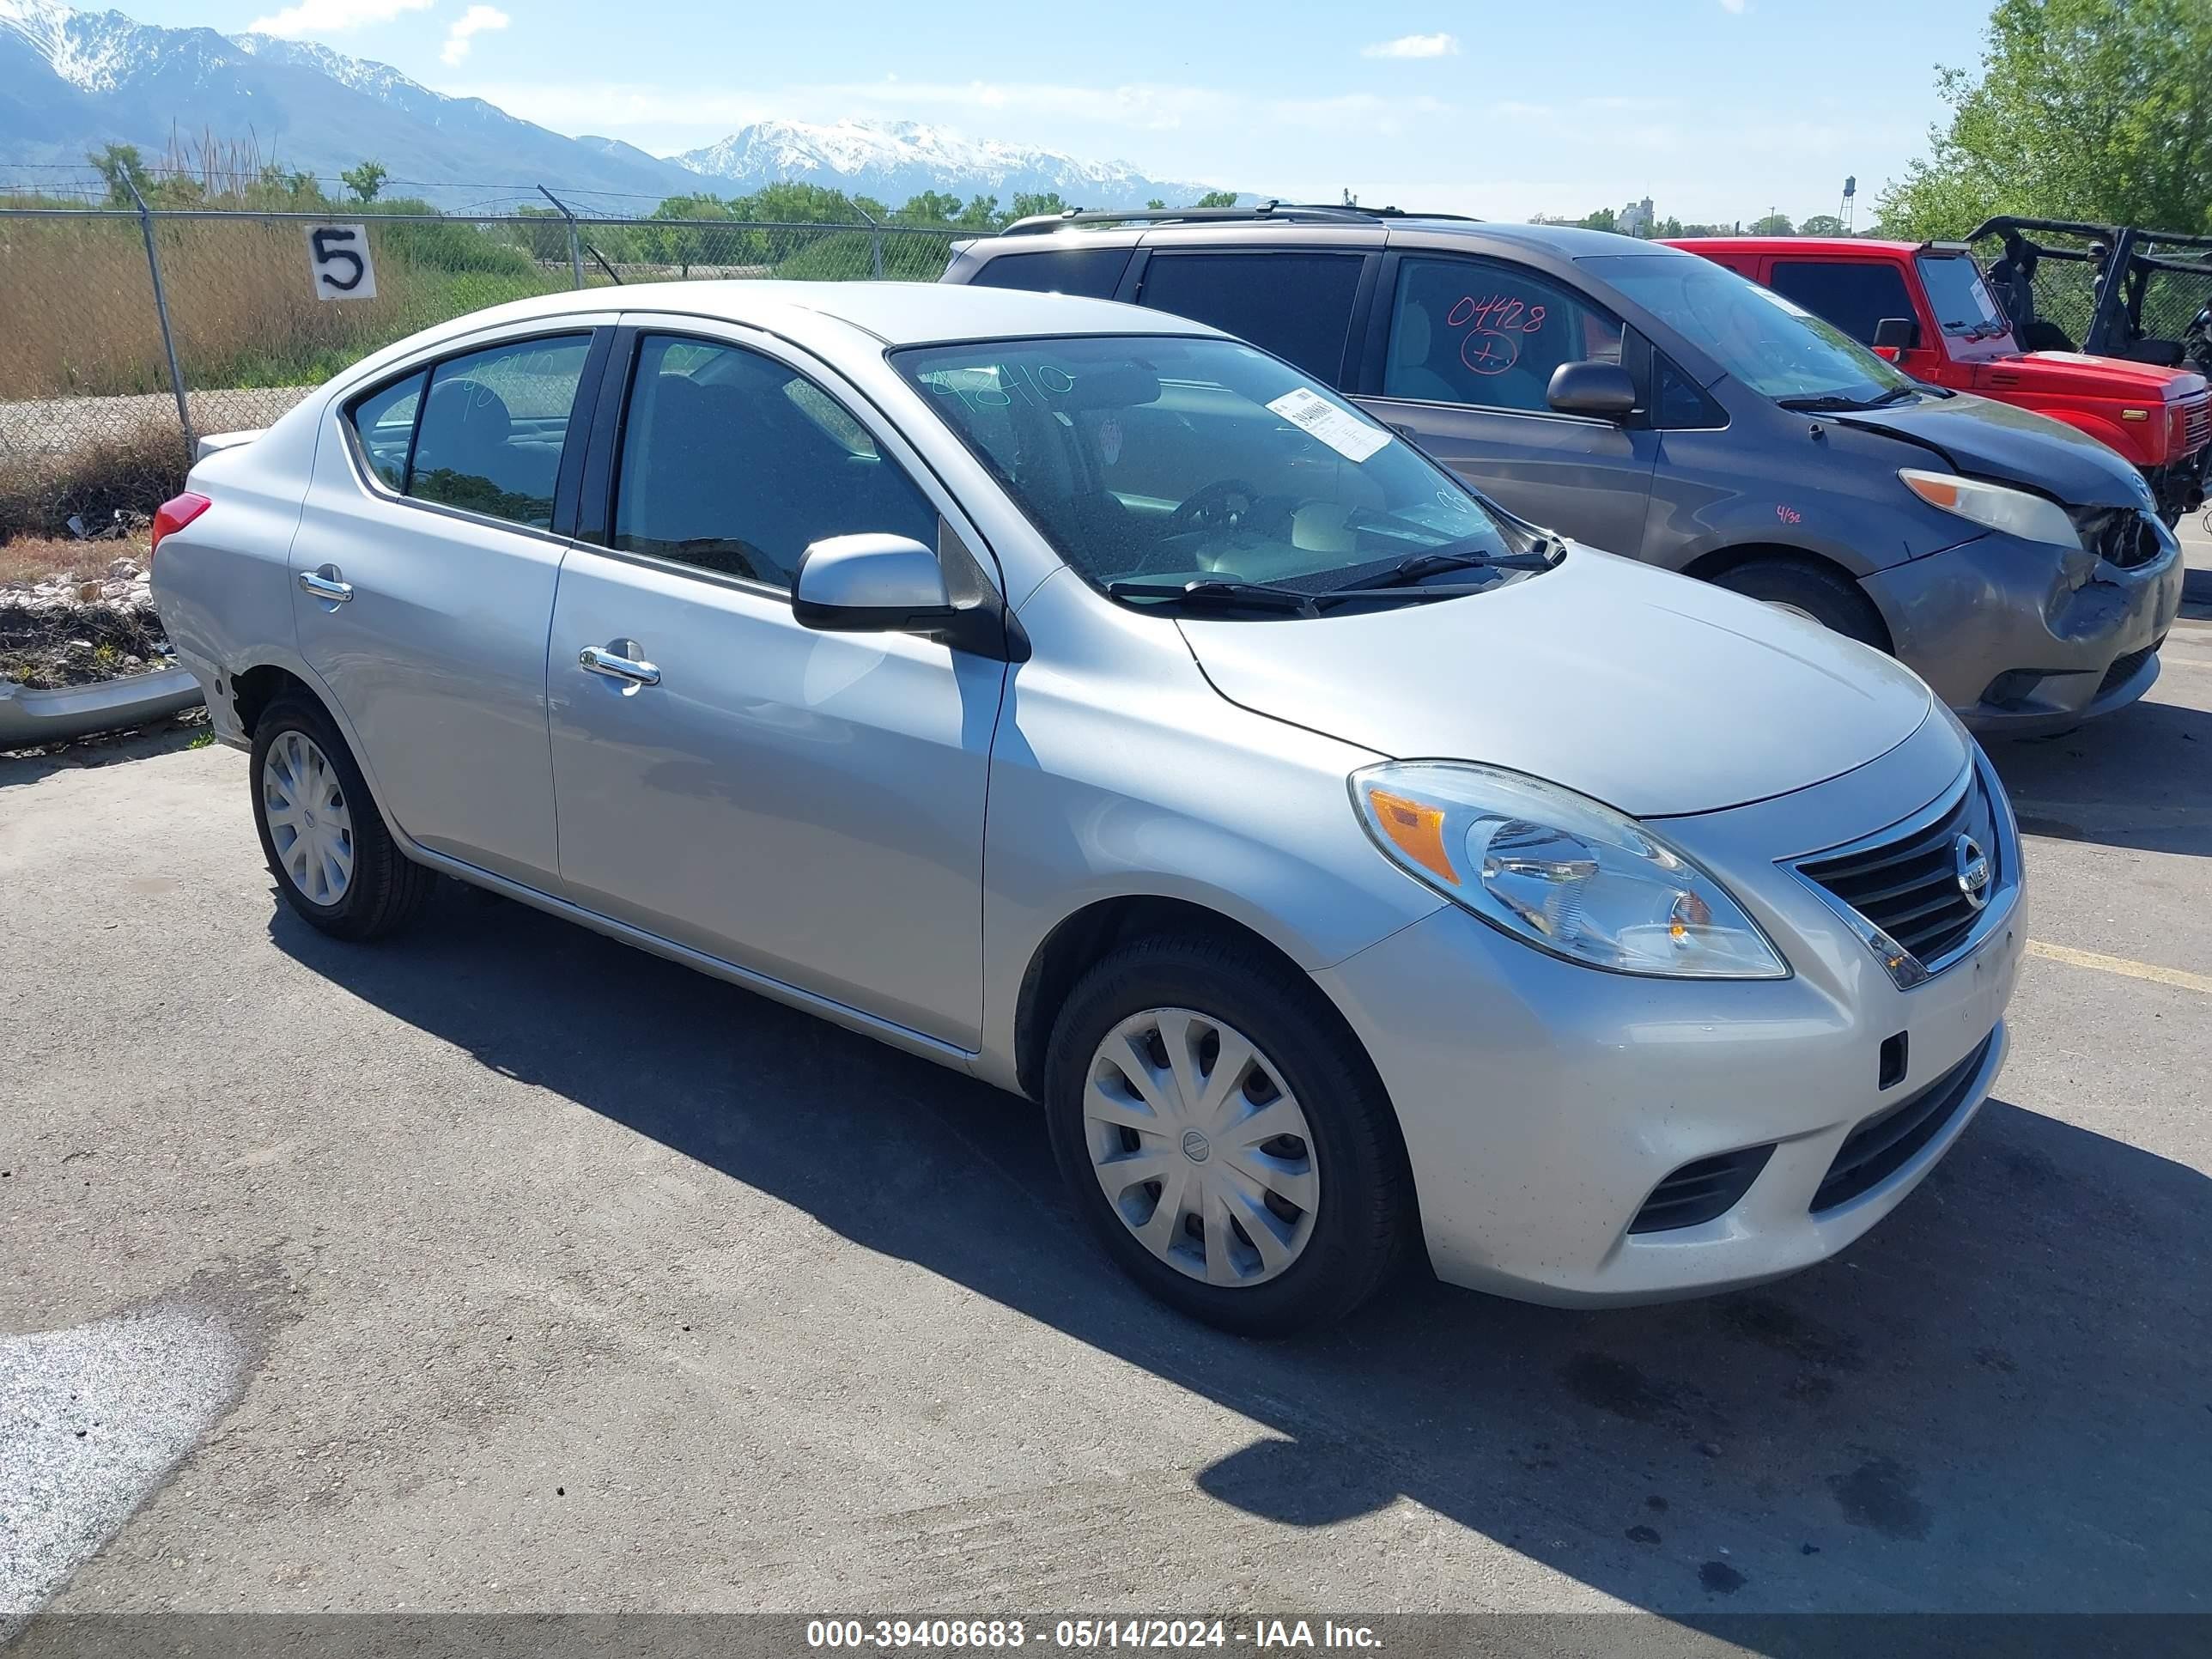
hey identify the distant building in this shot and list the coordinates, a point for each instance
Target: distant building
(1636, 219)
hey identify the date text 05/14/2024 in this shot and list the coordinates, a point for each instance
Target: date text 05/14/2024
(988, 1635)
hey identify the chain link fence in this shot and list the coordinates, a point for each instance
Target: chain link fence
(129, 332)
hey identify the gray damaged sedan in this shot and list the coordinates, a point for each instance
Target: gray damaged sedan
(1091, 701)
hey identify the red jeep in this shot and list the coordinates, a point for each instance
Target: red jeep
(1925, 307)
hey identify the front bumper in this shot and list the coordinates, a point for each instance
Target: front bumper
(1542, 1103)
(2022, 638)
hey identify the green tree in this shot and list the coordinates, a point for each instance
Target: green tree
(982, 213)
(2082, 109)
(1603, 219)
(1774, 224)
(1823, 224)
(365, 181)
(119, 165)
(931, 207)
(1217, 198)
(1029, 203)
(1154, 205)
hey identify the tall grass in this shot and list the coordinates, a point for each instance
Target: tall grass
(82, 318)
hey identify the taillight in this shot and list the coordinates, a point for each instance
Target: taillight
(174, 515)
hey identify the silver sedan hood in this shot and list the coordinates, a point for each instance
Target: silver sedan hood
(1655, 694)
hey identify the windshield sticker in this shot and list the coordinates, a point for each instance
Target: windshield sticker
(1340, 428)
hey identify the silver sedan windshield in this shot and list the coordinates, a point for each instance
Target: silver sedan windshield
(1170, 460)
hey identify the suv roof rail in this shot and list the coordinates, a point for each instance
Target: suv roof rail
(1296, 212)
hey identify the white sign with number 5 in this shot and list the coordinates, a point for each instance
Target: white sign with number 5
(338, 264)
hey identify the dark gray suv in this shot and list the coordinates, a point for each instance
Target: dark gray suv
(1653, 403)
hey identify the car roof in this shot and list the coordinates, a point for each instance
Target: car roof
(895, 313)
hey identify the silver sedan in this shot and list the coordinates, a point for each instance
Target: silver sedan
(1091, 701)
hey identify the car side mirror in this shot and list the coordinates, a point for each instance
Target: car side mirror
(1895, 335)
(870, 584)
(1602, 390)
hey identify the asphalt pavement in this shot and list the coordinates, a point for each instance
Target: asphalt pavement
(501, 1268)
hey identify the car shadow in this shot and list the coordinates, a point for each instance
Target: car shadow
(1996, 1401)
(2141, 778)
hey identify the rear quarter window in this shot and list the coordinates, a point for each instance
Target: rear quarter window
(1092, 272)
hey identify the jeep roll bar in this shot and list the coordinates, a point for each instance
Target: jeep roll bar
(2117, 314)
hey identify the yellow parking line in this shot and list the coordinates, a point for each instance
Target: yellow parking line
(2072, 957)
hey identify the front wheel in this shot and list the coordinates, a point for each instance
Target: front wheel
(1815, 592)
(334, 860)
(1223, 1136)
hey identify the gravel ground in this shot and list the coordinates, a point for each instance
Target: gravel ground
(95, 1418)
(566, 1279)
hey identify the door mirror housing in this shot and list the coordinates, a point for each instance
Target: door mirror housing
(871, 584)
(1895, 335)
(1602, 390)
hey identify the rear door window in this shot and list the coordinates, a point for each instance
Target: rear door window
(1094, 272)
(1298, 305)
(1852, 293)
(493, 426)
(1468, 331)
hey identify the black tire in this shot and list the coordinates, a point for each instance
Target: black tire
(1364, 1215)
(1827, 596)
(386, 888)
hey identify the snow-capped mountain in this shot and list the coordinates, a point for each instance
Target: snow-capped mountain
(893, 160)
(72, 81)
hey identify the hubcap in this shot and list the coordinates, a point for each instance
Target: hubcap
(1200, 1148)
(309, 823)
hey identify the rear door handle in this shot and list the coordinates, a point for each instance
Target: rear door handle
(324, 584)
(602, 660)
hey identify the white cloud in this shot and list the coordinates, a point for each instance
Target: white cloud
(1439, 45)
(1733, 6)
(333, 17)
(473, 21)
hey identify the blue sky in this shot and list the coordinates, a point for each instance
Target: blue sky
(1717, 109)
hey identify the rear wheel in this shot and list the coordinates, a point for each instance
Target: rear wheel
(1816, 592)
(334, 860)
(1224, 1139)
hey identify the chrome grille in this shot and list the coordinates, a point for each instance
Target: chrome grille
(1906, 887)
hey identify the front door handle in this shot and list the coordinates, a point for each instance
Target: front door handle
(324, 584)
(603, 659)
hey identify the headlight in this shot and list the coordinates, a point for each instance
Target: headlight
(1562, 871)
(2016, 511)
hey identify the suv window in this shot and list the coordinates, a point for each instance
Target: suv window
(732, 463)
(1852, 293)
(1094, 272)
(1298, 305)
(1466, 333)
(492, 429)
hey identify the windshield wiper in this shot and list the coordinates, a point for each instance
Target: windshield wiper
(1412, 569)
(1832, 403)
(1215, 592)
